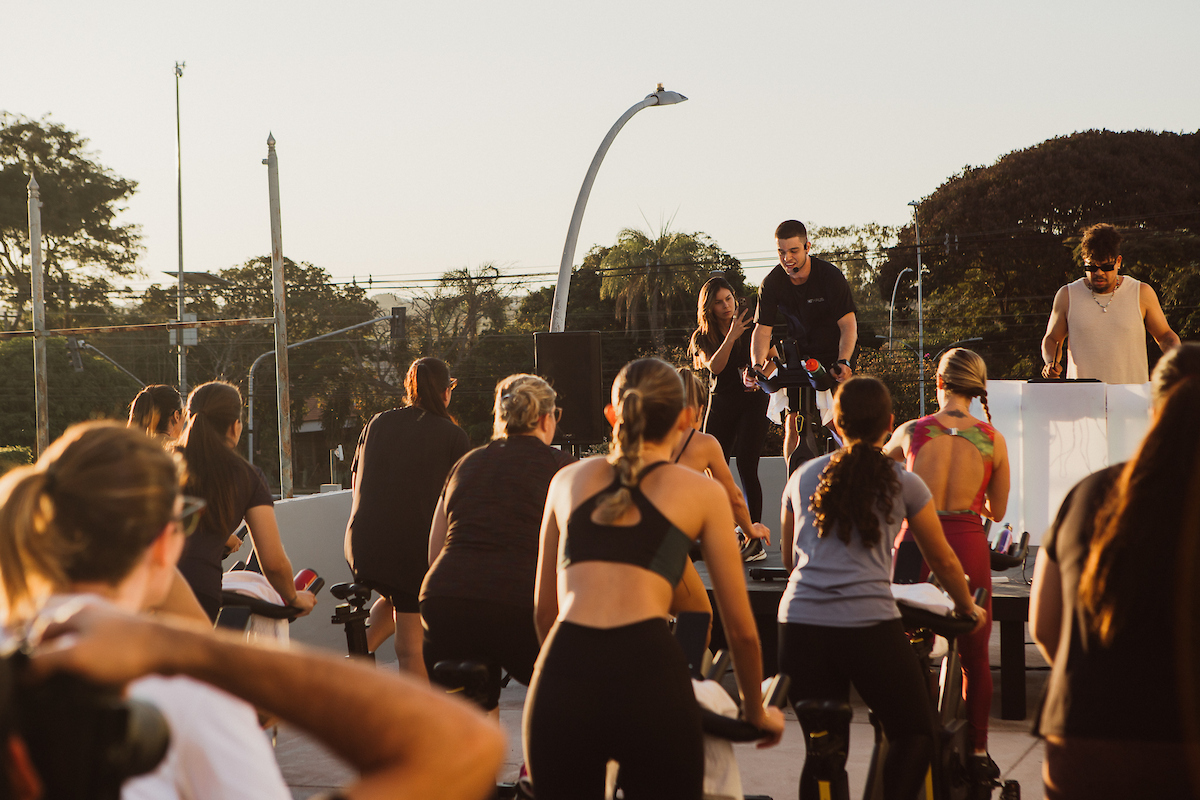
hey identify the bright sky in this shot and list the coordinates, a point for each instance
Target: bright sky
(414, 138)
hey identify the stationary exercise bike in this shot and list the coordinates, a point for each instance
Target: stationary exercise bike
(948, 777)
(804, 375)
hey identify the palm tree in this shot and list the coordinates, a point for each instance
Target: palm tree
(658, 272)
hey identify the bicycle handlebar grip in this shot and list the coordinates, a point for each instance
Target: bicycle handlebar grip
(307, 580)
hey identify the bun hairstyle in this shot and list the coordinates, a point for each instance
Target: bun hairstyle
(859, 479)
(521, 402)
(153, 407)
(964, 373)
(86, 511)
(215, 469)
(695, 393)
(647, 397)
(708, 337)
(425, 386)
(1139, 528)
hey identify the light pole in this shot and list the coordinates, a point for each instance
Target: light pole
(892, 312)
(920, 310)
(179, 65)
(558, 316)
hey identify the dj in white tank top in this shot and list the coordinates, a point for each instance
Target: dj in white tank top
(1107, 334)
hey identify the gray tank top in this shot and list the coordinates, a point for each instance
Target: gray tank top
(1107, 334)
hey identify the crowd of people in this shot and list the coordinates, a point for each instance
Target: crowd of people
(565, 573)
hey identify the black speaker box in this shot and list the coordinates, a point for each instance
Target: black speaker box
(570, 361)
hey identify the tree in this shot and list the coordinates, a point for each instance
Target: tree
(83, 244)
(448, 321)
(660, 273)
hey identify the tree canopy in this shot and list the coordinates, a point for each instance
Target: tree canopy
(83, 244)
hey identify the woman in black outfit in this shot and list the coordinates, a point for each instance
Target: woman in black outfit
(737, 413)
(234, 490)
(611, 681)
(477, 600)
(1108, 609)
(399, 468)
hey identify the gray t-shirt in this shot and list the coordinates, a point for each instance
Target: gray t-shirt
(839, 585)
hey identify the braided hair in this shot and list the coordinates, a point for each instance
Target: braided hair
(964, 373)
(647, 397)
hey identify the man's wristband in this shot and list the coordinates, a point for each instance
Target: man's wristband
(845, 361)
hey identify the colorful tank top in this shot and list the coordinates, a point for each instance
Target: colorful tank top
(981, 434)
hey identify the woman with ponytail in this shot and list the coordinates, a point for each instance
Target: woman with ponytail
(1109, 611)
(611, 681)
(99, 520)
(839, 624)
(964, 462)
(399, 469)
(158, 410)
(234, 490)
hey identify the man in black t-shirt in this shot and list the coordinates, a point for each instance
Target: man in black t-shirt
(817, 296)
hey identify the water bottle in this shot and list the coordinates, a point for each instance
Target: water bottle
(1011, 536)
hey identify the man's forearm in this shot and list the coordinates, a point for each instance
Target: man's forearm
(760, 344)
(405, 739)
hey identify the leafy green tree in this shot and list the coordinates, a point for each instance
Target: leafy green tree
(83, 246)
(658, 272)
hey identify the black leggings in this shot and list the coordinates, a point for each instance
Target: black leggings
(738, 420)
(619, 693)
(496, 634)
(879, 661)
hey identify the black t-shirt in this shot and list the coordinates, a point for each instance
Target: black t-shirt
(818, 304)
(201, 559)
(1126, 690)
(495, 496)
(400, 466)
(729, 379)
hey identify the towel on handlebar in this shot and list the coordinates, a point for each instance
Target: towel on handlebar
(923, 595)
(722, 780)
(778, 404)
(255, 584)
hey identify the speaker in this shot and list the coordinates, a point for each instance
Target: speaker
(570, 361)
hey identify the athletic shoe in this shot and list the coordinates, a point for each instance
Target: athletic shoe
(753, 551)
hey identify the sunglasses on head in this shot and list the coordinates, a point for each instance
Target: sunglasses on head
(1098, 267)
(189, 516)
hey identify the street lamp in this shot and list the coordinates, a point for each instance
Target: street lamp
(558, 316)
(179, 65)
(892, 312)
(920, 311)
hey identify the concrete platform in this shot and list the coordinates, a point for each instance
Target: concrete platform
(309, 768)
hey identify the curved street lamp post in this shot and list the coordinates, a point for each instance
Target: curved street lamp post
(558, 316)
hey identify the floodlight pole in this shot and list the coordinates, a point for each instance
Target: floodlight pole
(39, 315)
(558, 316)
(282, 390)
(179, 65)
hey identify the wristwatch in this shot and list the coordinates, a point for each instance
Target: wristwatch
(845, 361)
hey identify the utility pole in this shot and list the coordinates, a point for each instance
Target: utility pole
(283, 394)
(920, 312)
(179, 65)
(39, 315)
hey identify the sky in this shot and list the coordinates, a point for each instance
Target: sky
(415, 138)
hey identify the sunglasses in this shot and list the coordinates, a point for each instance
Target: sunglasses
(189, 516)
(1098, 267)
(452, 384)
(557, 414)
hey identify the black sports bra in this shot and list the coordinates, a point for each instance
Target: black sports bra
(653, 543)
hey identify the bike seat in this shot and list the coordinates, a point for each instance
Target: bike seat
(345, 591)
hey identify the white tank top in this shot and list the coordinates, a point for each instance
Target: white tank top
(1107, 337)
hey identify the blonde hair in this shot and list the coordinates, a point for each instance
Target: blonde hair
(964, 373)
(647, 397)
(86, 511)
(694, 390)
(521, 401)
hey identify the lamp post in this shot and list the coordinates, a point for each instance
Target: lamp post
(892, 312)
(179, 65)
(920, 310)
(558, 316)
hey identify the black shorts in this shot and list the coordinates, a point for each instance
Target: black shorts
(404, 602)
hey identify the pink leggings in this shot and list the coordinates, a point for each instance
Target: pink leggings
(965, 534)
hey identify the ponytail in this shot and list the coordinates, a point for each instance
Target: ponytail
(426, 383)
(647, 397)
(30, 556)
(216, 471)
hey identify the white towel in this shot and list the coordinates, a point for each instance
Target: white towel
(722, 780)
(923, 595)
(253, 584)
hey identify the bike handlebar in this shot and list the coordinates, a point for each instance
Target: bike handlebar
(948, 626)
